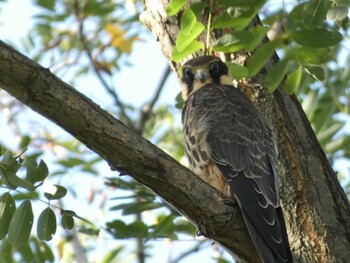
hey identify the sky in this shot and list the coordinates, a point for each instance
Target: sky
(15, 23)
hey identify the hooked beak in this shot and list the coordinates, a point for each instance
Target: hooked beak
(201, 75)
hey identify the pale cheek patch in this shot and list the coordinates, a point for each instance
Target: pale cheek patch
(185, 91)
(197, 84)
(226, 80)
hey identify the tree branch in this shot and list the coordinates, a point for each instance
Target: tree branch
(126, 151)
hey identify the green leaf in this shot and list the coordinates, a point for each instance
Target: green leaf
(292, 83)
(247, 40)
(316, 38)
(72, 213)
(317, 72)
(237, 17)
(7, 208)
(31, 170)
(195, 46)
(111, 255)
(183, 41)
(117, 228)
(6, 251)
(42, 171)
(57, 192)
(21, 224)
(137, 229)
(134, 208)
(174, 7)
(43, 252)
(314, 12)
(326, 135)
(258, 60)
(71, 162)
(308, 56)
(67, 222)
(188, 20)
(237, 71)
(179, 102)
(26, 252)
(164, 227)
(275, 76)
(46, 227)
(197, 8)
(186, 227)
(338, 144)
(47, 4)
(19, 182)
(252, 3)
(25, 140)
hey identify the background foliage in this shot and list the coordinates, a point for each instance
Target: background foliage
(46, 170)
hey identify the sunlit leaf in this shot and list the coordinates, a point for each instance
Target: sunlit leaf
(177, 56)
(46, 227)
(188, 21)
(183, 41)
(174, 7)
(21, 224)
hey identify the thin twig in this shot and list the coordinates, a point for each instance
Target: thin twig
(146, 110)
(123, 115)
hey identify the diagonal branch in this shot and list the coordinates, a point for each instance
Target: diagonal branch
(126, 151)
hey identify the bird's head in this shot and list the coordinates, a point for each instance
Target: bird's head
(203, 70)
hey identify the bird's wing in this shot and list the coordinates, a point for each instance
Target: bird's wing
(244, 152)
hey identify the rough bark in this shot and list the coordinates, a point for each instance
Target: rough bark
(315, 206)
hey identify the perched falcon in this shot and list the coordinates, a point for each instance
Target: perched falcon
(229, 147)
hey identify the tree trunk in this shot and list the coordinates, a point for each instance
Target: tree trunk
(316, 209)
(315, 206)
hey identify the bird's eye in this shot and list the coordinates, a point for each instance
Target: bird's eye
(187, 72)
(215, 67)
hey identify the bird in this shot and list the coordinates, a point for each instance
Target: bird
(229, 147)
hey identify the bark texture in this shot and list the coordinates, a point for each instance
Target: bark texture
(315, 206)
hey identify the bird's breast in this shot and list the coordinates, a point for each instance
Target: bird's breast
(196, 126)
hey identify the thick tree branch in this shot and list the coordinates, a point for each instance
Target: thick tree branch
(125, 150)
(315, 206)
